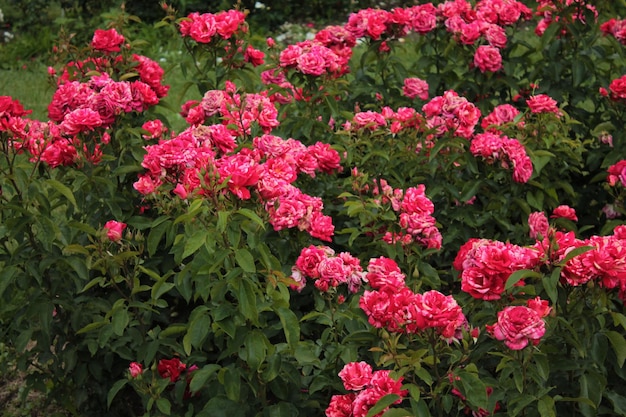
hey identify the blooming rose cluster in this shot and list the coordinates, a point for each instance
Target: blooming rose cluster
(393, 306)
(311, 57)
(202, 159)
(368, 387)
(206, 27)
(485, 266)
(327, 269)
(88, 100)
(238, 112)
(519, 325)
(451, 113)
(508, 151)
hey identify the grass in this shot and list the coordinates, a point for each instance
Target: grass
(30, 86)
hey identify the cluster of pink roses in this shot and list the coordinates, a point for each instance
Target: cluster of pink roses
(205, 27)
(327, 269)
(201, 159)
(604, 262)
(416, 220)
(238, 112)
(395, 307)
(368, 387)
(485, 265)
(87, 102)
(508, 151)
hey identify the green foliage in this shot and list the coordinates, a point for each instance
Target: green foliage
(193, 308)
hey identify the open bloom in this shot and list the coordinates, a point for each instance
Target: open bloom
(517, 326)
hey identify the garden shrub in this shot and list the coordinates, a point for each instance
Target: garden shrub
(416, 212)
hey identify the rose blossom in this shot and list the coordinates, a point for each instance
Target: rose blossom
(171, 368)
(415, 87)
(542, 103)
(518, 325)
(356, 375)
(538, 224)
(107, 40)
(488, 58)
(565, 212)
(114, 230)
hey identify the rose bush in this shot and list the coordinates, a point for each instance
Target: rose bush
(417, 212)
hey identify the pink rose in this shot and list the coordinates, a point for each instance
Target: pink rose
(107, 40)
(415, 87)
(538, 224)
(356, 375)
(488, 58)
(565, 212)
(114, 230)
(542, 103)
(135, 369)
(517, 326)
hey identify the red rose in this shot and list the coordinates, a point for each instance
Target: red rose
(171, 368)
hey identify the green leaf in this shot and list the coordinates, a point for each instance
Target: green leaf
(119, 321)
(517, 276)
(397, 412)
(291, 326)
(247, 300)
(64, 190)
(619, 346)
(474, 389)
(194, 242)
(164, 406)
(245, 260)
(114, 390)
(255, 345)
(575, 252)
(92, 326)
(383, 403)
(550, 285)
(545, 405)
(252, 216)
(201, 376)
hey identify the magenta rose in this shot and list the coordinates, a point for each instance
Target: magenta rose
(356, 375)
(107, 40)
(114, 230)
(488, 58)
(517, 326)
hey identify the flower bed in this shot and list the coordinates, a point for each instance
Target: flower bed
(415, 213)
